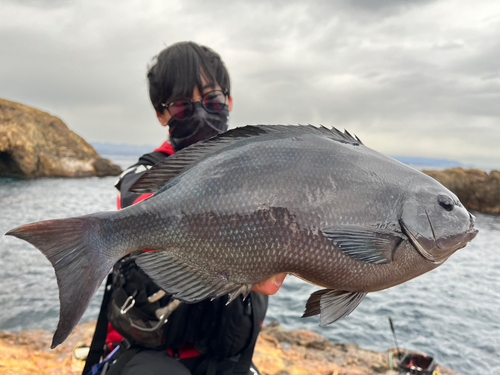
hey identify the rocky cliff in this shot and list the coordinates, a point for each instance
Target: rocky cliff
(278, 352)
(477, 190)
(34, 143)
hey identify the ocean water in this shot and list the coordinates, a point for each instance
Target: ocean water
(451, 313)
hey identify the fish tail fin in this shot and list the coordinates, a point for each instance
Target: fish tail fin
(74, 248)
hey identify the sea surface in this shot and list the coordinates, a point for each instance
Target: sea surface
(451, 313)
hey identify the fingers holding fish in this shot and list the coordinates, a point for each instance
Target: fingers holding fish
(270, 286)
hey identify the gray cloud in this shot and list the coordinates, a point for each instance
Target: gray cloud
(410, 78)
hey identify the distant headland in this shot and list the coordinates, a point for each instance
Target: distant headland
(33, 143)
(476, 189)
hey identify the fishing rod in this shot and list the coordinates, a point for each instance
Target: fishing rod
(414, 363)
(395, 339)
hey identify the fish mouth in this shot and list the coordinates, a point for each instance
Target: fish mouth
(421, 250)
(468, 236)
(472, 232)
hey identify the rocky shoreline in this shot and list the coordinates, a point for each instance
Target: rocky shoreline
(278, 352)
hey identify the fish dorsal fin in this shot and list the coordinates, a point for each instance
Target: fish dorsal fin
(332, 305)
(368, 245)
(170, 167)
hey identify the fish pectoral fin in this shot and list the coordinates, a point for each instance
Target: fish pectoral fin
(369, 245)
(332, 304)
(185, 282)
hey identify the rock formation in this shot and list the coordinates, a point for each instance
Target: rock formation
(34, 143)
(477, 190)
(282, 352)
(278, 352)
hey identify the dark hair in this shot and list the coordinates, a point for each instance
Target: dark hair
(179, 68)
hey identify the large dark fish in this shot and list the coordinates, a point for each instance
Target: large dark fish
(256, 201)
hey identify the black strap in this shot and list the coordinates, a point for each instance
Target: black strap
(212, 367)
(258, 306)
(245, 360)
(122, 360)
(101, 330)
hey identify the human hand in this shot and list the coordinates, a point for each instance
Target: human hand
(271, 285)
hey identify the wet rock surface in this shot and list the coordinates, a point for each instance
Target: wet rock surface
(34, 143)
(282, 352)
(476, 189)
(278, 352)
(28, 352)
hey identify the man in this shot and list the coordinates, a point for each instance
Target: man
(189, 88)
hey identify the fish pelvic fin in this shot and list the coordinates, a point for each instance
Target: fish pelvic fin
(186, 282)
(368, 245)
(71, 246)
(332, 305)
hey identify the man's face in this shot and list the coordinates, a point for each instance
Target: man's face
(165, 116)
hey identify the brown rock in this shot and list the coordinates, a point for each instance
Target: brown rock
(34, 143)
(282, 352)
(477, 190)
(278, 352)
(29, 352)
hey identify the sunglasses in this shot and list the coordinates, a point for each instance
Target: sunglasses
(183, 109)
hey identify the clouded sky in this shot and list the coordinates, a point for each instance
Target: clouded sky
(410, 78)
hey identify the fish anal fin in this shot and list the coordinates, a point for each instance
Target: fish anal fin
(186, 282)
(332, 304)
(313, 303)
(369, 245)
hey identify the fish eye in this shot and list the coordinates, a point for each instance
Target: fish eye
(446, 202)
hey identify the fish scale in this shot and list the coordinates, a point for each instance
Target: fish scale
(232, 211)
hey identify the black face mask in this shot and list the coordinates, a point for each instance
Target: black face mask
(200, 126)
